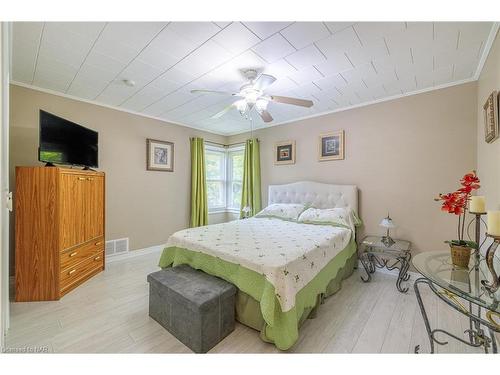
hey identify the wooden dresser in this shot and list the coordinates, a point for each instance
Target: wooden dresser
(59, 230)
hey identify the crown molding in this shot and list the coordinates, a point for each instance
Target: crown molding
(324, 113)
(365, 104)
(67, 96)
(486, 50)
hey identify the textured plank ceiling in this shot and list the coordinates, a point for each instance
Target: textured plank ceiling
(335, 64)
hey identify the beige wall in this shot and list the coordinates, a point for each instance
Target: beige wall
(400, 154)
(488, 154)
(145, 206)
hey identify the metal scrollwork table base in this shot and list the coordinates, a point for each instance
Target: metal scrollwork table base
(460, 289)
(373, 254)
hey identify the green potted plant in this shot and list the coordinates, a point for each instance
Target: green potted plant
(456, 203)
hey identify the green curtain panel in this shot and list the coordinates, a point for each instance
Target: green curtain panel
(199, 204)
(250, 195)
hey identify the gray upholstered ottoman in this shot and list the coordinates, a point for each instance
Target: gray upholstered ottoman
(195, 307)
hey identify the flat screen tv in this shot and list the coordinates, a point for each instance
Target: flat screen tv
(64, 142)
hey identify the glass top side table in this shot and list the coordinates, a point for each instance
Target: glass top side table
(455, 285)
(374, 254)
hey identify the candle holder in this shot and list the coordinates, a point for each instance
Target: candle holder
(490, 254)
(477, 252)
(477, 235)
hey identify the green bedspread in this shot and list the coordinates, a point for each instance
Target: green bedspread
(282, 328)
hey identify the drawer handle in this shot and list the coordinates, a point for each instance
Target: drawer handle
(73, 254)
(90, 179)
(98, 243)
(97, 258)
(71, 272)
(81, 178)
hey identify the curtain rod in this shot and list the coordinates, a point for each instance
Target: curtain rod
(223, 145)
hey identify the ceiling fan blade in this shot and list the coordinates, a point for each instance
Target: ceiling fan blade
(265, 115)
(264, 81)
(203, 91)
(223, 112)
(293, 101)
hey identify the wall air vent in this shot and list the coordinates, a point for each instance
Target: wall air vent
(116, 247)
(121, 245)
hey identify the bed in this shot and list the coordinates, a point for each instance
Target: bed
(283, 269)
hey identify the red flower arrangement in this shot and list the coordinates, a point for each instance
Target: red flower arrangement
(456, 203)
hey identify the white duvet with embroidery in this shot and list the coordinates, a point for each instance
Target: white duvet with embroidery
(288, 254)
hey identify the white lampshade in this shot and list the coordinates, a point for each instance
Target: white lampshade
(387, 223)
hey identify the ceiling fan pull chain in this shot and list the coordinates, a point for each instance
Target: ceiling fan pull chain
(251, 127)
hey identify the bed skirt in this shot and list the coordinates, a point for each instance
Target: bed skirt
(257, 304)
(248, 310)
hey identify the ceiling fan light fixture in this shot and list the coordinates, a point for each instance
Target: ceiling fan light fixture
(261, 104)
(253, 97)
(241, 105)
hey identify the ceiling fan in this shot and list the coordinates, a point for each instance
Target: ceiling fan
(252, 96)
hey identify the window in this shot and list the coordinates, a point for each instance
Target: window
(224, 173)
(215, 164)
(235, 159)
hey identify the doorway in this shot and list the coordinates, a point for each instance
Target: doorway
(5, 197)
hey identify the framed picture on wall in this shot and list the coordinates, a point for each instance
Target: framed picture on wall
(331, 146)
(490, 110)
(284, 152)
(160, 155)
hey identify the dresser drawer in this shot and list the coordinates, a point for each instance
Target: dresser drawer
(72, 275)
(72, 257)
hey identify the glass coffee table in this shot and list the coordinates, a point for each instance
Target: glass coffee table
(461, 289)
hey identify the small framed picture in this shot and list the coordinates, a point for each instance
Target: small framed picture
(490, 110)
(284, 152)
(331, 146)
(160, 155)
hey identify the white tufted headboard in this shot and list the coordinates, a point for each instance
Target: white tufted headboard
(315, 193)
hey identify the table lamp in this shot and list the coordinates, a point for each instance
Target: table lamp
(246, 211)
(387, 223)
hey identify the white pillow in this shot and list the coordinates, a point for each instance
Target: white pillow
(286, 211)
(340, 217)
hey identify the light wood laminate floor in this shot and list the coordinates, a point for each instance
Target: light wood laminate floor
(109, 314)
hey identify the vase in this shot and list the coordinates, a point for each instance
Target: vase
(460, 255)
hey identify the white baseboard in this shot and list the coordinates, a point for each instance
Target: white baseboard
(135, 253)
